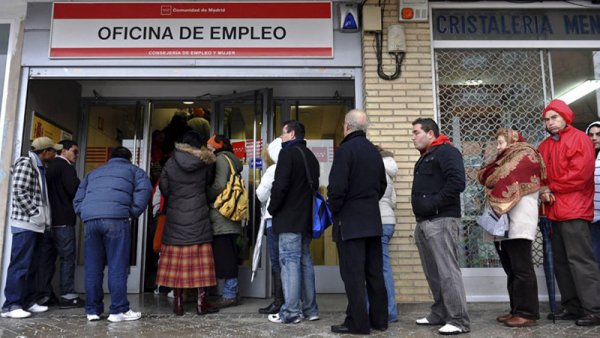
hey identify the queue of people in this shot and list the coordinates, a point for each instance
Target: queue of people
(561, 177)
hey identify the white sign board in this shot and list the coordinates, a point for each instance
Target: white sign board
(192, 30)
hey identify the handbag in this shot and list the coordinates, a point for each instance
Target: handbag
(321, 215)
(493, 224)
(158, 234)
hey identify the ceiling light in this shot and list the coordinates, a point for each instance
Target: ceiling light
(188, 102)
(580, 91)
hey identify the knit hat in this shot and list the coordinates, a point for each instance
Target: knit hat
(44, 142)
(593, 124)
(561, 108)
(214, 143)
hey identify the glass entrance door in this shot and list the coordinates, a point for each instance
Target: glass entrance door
(108, 125)
(240, 117)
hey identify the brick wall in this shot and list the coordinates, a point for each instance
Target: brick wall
(392, 106)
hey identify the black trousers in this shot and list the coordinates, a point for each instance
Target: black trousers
(361, 268)
(575, 267)
(521, 283)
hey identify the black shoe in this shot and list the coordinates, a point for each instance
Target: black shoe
(342, 329)
(379, 328)
(76, 302)
(588, 320)
(48, 300)
(272, 308)
(564, 315)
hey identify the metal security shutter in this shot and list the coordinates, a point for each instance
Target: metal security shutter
(478, 92)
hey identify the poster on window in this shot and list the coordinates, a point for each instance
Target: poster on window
(42, 127)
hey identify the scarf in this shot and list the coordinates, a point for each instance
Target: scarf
(516, 171)
(441, 139)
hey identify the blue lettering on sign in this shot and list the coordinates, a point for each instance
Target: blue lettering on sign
(525, 24)
(582, 24)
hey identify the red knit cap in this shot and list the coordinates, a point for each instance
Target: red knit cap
(561, 108)
(214, 143)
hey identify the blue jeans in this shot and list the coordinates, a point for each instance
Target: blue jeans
(273, 243)
(230, 286)
(58, 242)
(297, 276)
(20, 277)
(595, 231)
(388, 274)
(107, 241)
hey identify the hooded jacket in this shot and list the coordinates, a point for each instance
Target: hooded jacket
(221, 224)
(439, 178)
(569, 158)
(263, 192)
(596, 178)
(183, 183)
(387, 203)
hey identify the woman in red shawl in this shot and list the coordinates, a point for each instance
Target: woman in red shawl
(512, 182)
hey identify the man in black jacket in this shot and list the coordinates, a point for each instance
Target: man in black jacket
(62, 186)
(291, 207)
(356, 184)
(439, 178)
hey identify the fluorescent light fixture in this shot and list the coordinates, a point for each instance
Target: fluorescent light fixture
(474, 82)
(188, 102)
(580, 91)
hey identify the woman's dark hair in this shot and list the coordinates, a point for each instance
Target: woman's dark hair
(226, 143)
(121, 152)
(194, 139)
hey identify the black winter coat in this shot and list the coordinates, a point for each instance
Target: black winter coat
(356, 184)
(439, 178)
(183, 183)
(291, 195)
(62, 183)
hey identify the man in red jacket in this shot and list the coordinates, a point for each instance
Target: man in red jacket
(568, 194)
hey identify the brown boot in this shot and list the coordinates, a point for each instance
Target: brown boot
(203, 307)
(178, 302)
(504, 318)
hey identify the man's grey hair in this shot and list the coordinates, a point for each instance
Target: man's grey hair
(357, 119)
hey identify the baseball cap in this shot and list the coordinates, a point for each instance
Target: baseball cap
(44, 142)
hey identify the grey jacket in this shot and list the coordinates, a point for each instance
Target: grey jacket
(183, 183)
(222, 225)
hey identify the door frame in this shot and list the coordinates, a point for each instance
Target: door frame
(135, 278)
(261, 286)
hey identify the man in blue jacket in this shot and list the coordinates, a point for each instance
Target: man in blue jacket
(356, 184)
(106, 199)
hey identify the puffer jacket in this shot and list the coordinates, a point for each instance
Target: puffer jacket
(263, 192)
(117, 189)
(222, 225)
(183, 183)
(569, 158)
(387, 203)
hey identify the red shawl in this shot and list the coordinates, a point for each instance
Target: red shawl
(516, 171)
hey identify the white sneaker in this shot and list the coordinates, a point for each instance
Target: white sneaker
(450, 329)
(171, 294)
(125, 316)
(422, 321)
(274, 318)
(36, 308)
(16, 314)
(310, 318)
(93, 318)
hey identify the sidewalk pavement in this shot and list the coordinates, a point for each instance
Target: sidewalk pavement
(245, 321)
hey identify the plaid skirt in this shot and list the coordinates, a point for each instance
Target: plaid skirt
(187, 266)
